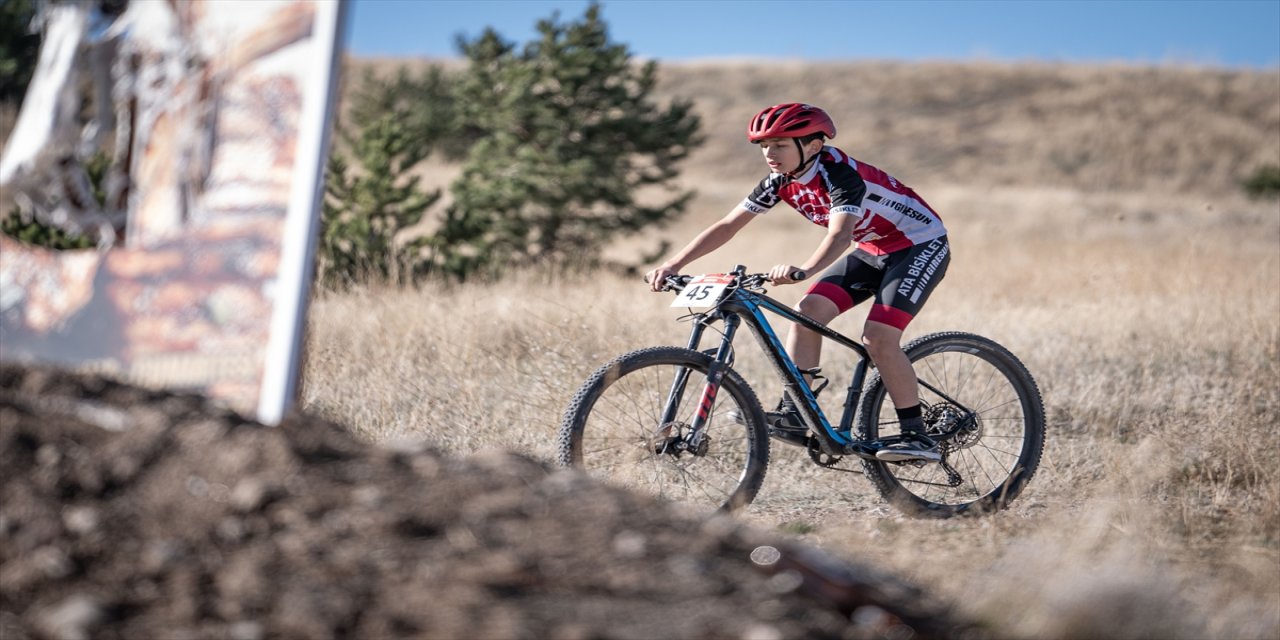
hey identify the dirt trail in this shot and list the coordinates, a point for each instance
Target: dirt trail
(128, 513)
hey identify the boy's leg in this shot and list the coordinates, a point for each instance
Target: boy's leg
(910, 277)
(825, 300)
(805, 346)
(834, 293)
(884, 343)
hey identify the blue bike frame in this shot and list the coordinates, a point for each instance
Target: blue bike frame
(739, 305)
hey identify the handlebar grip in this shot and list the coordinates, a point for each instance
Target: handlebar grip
(671, 282)
(798, 275)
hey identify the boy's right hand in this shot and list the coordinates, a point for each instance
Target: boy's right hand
(657, 277)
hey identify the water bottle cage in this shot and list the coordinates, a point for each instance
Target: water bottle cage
(819, 380)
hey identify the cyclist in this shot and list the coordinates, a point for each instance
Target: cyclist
(900, 254)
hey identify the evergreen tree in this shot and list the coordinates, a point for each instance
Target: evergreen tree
(396, 123)
(19, 48)
(568, 136)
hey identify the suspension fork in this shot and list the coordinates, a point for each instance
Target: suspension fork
(682, 376)
(715, 374)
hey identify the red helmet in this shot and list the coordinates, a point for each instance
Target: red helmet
(790, 120)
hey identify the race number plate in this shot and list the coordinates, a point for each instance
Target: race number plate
(703, 291)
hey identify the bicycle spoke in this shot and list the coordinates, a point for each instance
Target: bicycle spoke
(622, 439)
(962, 373)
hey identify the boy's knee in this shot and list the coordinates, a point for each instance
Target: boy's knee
(881, 338)
(818, 307)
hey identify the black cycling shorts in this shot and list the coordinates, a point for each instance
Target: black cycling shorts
(900, 281)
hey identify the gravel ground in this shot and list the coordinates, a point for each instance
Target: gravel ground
(131, 513)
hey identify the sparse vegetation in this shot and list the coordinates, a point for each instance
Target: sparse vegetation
(1160, 392)
(35, 232)
(19, 51)
(1156, 511)
(1264, 182)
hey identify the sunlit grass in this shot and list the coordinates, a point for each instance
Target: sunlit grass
(1155, 340)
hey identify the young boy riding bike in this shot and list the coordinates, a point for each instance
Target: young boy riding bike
(901, 254)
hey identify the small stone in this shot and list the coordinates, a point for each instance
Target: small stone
(80, 520)
(248, 495)
(246, 630)
(71, 619)
(630, 544)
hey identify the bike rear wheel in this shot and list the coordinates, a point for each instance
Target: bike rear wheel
(613, 429)
(994, 451)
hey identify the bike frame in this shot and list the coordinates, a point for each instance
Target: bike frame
(739, 305)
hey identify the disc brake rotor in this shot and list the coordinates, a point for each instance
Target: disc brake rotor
(952, 428)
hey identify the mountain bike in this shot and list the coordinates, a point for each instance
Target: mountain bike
(683, 424)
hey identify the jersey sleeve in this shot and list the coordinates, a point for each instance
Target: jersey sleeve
(846, 189)
(765, 195)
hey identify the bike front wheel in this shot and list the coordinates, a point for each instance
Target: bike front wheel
(615, 429)
(982, 406)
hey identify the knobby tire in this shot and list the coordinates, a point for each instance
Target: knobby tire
(995, 462)
(612, 427)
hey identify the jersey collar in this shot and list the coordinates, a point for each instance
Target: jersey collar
(809, 173)
(812, 171)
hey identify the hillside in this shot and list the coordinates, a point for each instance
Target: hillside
(1118, 128)
(1099, 234)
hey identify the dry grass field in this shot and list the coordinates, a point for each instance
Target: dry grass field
(1139, 287)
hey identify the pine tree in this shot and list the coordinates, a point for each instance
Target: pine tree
(19, 48)
(568, 136)
(395, 124)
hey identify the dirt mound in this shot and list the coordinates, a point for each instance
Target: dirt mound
(140, 514)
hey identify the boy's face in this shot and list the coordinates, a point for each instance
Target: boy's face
(782, 155)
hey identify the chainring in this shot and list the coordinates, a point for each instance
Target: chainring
(820, 457)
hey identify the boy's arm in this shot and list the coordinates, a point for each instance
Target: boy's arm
(834, 244)
(711, 238)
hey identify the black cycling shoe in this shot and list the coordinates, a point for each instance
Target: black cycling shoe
(914, 446)
(784, 417)
(784, 424)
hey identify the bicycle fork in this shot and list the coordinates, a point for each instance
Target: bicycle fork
(697, 436)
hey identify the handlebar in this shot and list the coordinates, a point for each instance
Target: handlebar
(678, 282)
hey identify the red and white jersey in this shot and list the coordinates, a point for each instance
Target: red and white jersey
(891, 217)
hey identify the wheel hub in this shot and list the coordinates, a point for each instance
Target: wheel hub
(953, 428)
(671, 439)
(668, 439)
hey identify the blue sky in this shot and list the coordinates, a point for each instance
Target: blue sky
(1232, 33)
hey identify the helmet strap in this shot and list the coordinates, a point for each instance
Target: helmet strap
(804, 162)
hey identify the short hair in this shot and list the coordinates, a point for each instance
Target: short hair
(811, 137)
